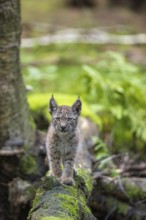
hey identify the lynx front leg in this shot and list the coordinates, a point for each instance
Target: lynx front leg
(67, 175)
(55, 163)
(55, 168)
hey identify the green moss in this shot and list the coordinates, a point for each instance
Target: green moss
(74, 201)
(32, 124)
(133, 190)
(37, 197)
(28, 164)
(69, 203)
(122, 208)
(87, 179)
(83, 181)
(53, 218)
(31, 191)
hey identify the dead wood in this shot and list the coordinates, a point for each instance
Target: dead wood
(93, 36)
(119, 197)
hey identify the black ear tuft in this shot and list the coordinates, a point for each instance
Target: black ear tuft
(52, 105)
(76, 107)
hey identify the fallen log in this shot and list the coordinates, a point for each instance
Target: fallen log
(93, 36)
(119, 198)
(59, 202)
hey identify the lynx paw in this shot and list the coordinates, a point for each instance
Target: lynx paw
(68, 181)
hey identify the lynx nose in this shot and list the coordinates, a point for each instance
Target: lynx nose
(63, 127)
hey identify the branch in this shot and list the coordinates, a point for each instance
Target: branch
(93, 36)
(126, 196)
(11, 152)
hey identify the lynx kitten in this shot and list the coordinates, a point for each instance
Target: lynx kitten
(63, 139)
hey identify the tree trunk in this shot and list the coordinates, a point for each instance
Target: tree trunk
(15, 122)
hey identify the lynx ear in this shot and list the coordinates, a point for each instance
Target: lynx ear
(76, 107)
(52, 105)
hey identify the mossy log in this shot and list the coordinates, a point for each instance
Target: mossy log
(54, 201)
(119, 198)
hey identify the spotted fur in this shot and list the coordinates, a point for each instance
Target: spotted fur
(63, 139)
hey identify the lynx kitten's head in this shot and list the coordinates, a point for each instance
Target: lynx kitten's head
(64, 118)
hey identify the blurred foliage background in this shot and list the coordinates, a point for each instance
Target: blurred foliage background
(110, 78)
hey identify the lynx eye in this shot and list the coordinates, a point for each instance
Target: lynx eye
(57, 119)
(70, 119)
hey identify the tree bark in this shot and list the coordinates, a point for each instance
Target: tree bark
(16, 126)
(15, 123)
